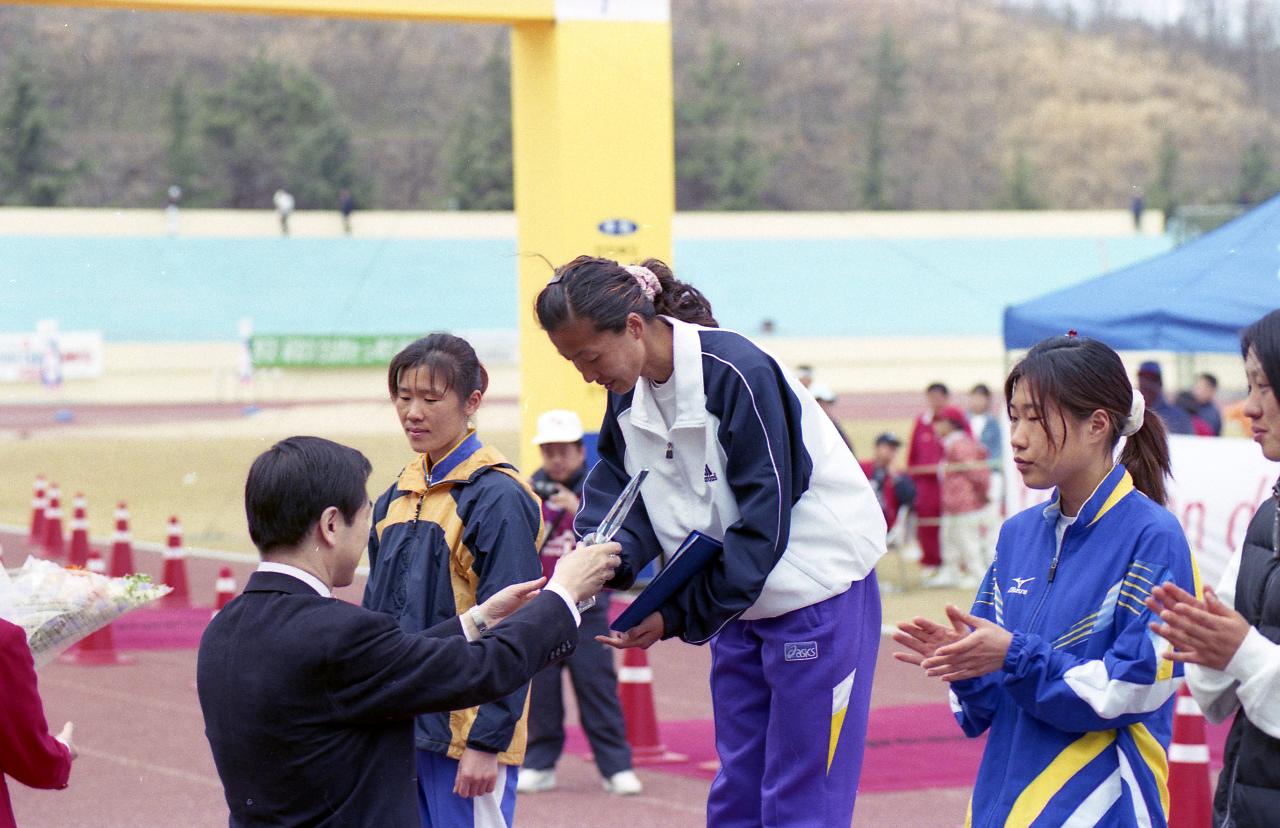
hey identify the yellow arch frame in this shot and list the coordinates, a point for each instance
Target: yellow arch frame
(593, 135)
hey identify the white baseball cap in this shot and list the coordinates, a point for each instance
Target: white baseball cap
(558, 426)
(822, 392)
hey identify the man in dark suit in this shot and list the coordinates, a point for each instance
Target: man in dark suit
(309, 701)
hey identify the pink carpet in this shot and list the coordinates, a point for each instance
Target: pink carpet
(908, 748)
(160, 628)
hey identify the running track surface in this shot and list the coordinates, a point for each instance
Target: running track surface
(144, 760)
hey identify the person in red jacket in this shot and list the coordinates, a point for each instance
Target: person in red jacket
(923, 455)
(27, 752)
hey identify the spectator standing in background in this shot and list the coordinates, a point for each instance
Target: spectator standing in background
(1205, 391)
(284, 203)
(986, 427)
(893, 490)
(347, 206)
(804, 373)
(923, 455)
(1151, 385)
(595, 684)
(827, 401)
(1187, 402)
(171, 218)
(965, 478)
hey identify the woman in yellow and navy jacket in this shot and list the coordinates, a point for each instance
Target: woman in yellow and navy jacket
(1056, 661)
(458, 525)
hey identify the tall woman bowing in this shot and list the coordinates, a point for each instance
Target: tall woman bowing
(739, 451)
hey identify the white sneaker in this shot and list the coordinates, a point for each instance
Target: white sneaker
(942, 579)
(623, 783)
(531, 780)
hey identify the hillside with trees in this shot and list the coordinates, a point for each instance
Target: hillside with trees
(825, 105)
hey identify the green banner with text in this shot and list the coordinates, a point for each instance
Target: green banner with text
(331, 351)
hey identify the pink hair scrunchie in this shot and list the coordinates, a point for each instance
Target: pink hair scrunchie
(644, 277)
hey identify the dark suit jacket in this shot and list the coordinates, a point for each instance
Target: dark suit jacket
(27, 752)
(308, 702)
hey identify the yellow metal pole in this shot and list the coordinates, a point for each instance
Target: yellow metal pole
(593, 132)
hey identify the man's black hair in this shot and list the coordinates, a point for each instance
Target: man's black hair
(293, 482)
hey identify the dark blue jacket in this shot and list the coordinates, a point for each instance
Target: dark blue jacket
(444, 540)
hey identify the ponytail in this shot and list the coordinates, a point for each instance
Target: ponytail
(1146, 456)
(606, 293)
(679, 300)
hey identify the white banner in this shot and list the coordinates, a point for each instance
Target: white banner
(23, 356)
(1218, 483)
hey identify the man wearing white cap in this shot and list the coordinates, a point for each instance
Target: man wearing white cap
(595, 683)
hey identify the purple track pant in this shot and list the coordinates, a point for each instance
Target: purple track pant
(791, 696)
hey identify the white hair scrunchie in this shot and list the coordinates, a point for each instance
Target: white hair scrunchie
(1137, 413)
(649, 284)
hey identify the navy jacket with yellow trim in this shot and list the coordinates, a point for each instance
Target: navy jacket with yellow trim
(1079, 718)
(444, 539)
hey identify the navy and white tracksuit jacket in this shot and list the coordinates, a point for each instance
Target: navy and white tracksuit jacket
(750, 460)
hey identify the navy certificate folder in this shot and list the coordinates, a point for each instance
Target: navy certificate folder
(694, 554)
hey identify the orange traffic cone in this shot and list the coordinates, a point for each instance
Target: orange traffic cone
(78, 555)
(121, 544)
(53, 546)
(225, 589)
(175, 568)
(38, 504)
(635, 691)
(99, 648)
(1190, 799)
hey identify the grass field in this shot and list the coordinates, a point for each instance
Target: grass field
(201, 480)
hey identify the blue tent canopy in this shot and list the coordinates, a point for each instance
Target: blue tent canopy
(1194, 298)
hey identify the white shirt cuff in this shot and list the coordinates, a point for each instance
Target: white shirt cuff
(469, 629)
(568, 600)
(1253, 656)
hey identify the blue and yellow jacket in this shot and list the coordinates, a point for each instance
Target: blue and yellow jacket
(1079, 717)
(444, 539)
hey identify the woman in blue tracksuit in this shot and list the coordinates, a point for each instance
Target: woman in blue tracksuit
(740, 451)
(456, 526)
(1055, 662)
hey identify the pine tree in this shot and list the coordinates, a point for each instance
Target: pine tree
(30, 173)
(719, 165)
(479, 151)
(1256, 180)
(889, 67)
(182, 155)
(1021, 195)
(275, 126)
(1164, 194)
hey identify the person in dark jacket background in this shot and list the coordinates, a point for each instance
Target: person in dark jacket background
(1231, 638)
(595, 682)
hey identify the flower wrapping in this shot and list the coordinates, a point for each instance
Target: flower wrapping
(58, 607)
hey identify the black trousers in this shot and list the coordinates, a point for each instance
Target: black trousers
(595, 684)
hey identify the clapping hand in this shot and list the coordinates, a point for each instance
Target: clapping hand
(971, 647)
(1204, 632)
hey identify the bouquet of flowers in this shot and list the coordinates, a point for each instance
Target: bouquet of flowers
(57, 607)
